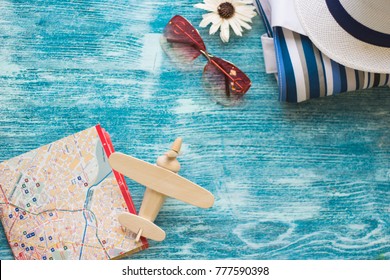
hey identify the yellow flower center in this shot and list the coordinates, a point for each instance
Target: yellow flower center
(226, 10)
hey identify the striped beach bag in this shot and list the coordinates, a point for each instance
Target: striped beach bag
(302, 71)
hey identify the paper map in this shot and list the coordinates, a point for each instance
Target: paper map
(61, 201)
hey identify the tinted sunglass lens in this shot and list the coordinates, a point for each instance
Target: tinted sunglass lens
(181, 41)
(224, 90)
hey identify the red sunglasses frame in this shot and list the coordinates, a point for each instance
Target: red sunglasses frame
(180, 30)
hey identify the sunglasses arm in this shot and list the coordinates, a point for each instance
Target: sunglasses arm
(227, 75)
(180, 42)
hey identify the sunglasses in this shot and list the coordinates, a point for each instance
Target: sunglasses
(183, 44)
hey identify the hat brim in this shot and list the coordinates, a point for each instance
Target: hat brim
(336, 43)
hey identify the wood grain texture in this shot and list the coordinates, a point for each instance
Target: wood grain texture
(307, 181)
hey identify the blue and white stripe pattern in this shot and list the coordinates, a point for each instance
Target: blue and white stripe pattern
(304, 72)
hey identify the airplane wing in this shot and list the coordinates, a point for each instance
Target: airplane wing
(136, 223)
(161, 180)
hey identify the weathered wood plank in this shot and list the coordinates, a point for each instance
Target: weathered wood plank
(307, 181)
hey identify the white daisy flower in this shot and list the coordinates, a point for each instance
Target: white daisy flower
(224, 13)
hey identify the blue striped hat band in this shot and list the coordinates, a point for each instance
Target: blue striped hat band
(355, 28)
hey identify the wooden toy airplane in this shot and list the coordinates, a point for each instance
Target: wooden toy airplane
(160, 181)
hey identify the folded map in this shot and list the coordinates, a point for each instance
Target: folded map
(61, 201)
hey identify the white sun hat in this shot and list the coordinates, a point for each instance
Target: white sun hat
(355, 33)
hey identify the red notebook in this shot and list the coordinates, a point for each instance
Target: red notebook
(61, 201)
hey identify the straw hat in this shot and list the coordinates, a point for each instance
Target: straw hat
(355, 33)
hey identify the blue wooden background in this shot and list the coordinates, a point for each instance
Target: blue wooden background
(307, 181)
